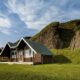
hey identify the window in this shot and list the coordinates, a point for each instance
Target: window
(13, 54)
(28, 53)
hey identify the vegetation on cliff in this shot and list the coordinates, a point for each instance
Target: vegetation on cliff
(51, 25)
(60, 35)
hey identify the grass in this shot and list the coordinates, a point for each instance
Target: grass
(66, 54)
(58, 71)
(51, 25)
(40, 72)
(70, 25)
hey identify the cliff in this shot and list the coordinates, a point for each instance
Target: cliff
(60, 35)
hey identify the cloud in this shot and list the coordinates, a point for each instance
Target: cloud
(20, 18)
(5, 25)
(5, 31)
(38, 13)
(32, 14)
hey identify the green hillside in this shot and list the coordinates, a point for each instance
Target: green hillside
(53, 24)
(73, 25)
(68, 34)
(66, 55)
(63, 33)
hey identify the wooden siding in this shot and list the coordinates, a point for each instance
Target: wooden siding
(4, 59)
(37, 59)
(28, 59)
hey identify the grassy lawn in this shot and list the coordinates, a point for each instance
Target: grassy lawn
(40, 72)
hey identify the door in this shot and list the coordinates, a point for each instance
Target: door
(20, 56)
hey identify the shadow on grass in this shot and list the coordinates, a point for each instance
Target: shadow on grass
(61, 59)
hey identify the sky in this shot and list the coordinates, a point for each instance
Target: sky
(20, 18)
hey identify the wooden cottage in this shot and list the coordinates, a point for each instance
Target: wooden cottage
(26, 50)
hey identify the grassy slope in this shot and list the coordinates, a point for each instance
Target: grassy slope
(73, 24)
(40, 72)
(72, 55)
(53, 24)
(67, 25)
(66, 36)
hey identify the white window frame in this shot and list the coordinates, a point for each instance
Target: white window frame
(13, 54)
(28, 53)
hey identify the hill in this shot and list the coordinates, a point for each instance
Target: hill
(60, 35)
(66, 56)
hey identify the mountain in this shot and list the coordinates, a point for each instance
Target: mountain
(60, 35)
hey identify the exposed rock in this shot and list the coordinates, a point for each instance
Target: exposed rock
(49, 36)
(60, 35)
(75, 42)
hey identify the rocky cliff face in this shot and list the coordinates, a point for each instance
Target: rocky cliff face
(60, 35)
(75, 42)
(49, 36)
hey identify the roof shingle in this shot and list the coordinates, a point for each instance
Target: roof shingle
(39, 47)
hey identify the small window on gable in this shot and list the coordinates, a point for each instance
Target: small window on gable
(13, 52)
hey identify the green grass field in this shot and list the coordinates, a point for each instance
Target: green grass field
(40, 72)
(58, 71)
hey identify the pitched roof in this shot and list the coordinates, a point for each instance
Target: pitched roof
(13, 44)
(38, 47)
(28, 37)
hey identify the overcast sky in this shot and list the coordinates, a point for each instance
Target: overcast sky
(20, 18)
